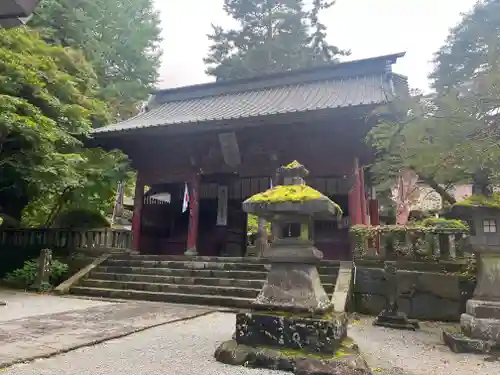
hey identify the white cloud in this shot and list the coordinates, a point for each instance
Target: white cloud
(367, 27)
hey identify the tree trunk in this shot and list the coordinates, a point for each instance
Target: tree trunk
(439, 189)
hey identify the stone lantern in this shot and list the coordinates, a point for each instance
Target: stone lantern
(292, 325)
(480, 324)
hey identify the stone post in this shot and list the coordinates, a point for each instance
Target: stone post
(42, 278)
(391, 317)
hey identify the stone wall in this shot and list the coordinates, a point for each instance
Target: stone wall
(429, 291)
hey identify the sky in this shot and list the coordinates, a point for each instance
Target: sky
(367, 27)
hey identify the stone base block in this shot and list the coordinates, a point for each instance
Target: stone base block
(283, 330)
(480, 328)
(398, 321)
(483, 309)
(459, 343)
(345, 361)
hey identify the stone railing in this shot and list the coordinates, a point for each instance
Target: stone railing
(65, 238)
(418, 243)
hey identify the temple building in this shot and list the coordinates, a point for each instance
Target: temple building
(16, 12)
(209, 147)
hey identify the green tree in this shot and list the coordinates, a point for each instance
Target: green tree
(48, 106)
(472, 47)
(451, 136)
(272, 36)
(120, 39)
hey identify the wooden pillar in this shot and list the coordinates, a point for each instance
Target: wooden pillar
(354, 198)
(262, 242)
(374, 212)
(362, 193)
(194, 203)
(136, 217)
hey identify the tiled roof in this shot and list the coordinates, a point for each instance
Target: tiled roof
(229, 104)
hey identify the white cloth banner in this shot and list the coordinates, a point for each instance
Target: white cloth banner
(185, 199)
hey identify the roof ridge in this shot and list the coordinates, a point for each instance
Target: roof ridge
(332, 68)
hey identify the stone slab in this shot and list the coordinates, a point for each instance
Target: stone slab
(397, 321)
(293, 332)
(481, 328)
(459, 343)
(45, 335)
(345, 362)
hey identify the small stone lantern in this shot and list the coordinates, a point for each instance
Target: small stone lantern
(292, 323)
(480, 324)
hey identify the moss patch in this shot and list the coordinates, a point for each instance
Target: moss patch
(481, 201)
(345, 350)
(287, 193)
(293, 165)
(439, 222)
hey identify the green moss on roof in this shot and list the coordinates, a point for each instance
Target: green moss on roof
(290, 193)
(294, 164)
(481, 201)
(287, 193)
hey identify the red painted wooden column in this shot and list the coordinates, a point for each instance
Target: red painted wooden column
(354, 198)
(136, 217)
(362, 193)
(194, 203)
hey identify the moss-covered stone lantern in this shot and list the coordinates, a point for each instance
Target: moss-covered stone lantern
(480, 324)
(292, 325)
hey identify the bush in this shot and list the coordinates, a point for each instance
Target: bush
(81, 219)
(442, 223)
(24, 277)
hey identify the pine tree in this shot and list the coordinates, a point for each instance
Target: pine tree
(273, 36)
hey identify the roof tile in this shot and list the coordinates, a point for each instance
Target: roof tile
(308, 96)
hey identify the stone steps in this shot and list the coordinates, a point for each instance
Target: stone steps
(242, 303)
(227, 282)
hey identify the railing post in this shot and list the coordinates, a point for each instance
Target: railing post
(444, 245)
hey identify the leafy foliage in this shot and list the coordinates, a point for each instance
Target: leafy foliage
(272, 36)
(253, 225)
(24, 277)
(120, 39)
(481, 200)
(439, 222)
(471, 48)
(414, 241)
(48, 106)
(81, 218)
(447, 137)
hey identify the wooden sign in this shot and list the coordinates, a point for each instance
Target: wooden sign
(222, 197)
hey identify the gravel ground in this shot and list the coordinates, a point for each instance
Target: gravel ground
(397, 352)
(23, 305)
(183, 348)
(186, 348)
